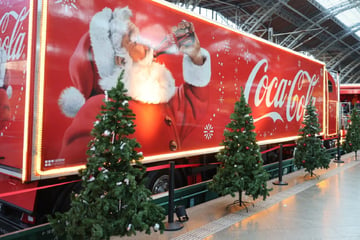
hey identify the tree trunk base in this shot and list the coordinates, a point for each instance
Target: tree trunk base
(312, 175)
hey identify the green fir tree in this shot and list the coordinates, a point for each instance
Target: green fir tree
(241, 167)
(352, 138)
(114, 200)
(310, 152)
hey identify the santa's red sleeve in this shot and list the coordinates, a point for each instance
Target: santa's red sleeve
(190, 102)
(78, 135)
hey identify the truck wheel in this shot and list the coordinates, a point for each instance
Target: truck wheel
(158, 181)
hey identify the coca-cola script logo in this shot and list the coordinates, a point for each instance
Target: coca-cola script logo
(274, 93)
(13, 40)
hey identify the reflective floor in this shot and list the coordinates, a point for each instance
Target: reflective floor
(327, 207)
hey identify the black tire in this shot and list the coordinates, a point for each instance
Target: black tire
(158, 181)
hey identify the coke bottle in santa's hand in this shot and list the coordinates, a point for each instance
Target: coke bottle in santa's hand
(182, 35)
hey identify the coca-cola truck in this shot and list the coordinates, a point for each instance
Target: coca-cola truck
(349, 100)
(183, 72)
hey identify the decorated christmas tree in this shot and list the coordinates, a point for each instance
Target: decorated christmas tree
(241, 167)
(352, 138)
(310, 152)
(114, 199)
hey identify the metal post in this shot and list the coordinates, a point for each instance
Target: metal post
(338, 157)
(171, 225)
(280, 182)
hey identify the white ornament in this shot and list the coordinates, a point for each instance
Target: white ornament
(96, 123)
(156, 227)
(129, 227)
(122, 146)
(91, 179)
(92, 148)
(126, 181)
(125, 102)
(118, 183)
(107, 133)
(106, 96)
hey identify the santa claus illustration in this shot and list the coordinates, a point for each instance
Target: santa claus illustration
(5, 90)
(165, 114)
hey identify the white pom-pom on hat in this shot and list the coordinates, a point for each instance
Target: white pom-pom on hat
(70, 101)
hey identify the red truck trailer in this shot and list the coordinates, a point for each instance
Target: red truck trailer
(349, 100)
(349, 97)
(58, 59)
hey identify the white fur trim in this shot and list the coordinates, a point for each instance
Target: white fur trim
(9, 91)
(114, 24)
(70, 101)
(119, 26)
(100, 42)
(198, 76)
(3, 59)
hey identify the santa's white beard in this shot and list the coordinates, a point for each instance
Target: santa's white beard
(148, 81)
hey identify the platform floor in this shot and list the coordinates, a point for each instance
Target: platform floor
(327, 207)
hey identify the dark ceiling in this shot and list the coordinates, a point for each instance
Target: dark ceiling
(301, 25)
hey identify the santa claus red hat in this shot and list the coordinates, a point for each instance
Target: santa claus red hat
(104, 39)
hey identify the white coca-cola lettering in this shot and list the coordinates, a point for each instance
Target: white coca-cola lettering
(273, 93)
(13, 40)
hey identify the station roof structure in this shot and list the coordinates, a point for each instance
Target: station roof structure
(328, 30)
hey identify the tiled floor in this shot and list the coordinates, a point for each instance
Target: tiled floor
(323, 208)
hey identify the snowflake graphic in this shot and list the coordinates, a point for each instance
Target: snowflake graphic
(68, 4)
(208, 131)
(247, 56)
(221, 99)
(227, 47)
(5, 3)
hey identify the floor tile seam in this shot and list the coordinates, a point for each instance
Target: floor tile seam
(209, 229)
(232, 218)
